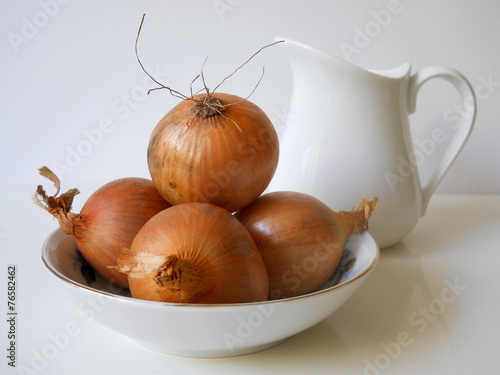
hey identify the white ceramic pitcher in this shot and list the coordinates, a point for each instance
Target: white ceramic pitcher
(348, 136)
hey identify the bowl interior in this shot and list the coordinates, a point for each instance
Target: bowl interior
(61, 256)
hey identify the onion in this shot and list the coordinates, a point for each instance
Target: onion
(108, 221)
(214, 148)
(195, 253)
(300, 238)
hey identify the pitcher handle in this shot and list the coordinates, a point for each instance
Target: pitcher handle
(464, 88)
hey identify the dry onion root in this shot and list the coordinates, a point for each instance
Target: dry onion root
(194, 253)
(300, 238)
(108, 221)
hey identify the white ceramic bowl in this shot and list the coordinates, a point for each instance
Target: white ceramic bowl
(208, 330)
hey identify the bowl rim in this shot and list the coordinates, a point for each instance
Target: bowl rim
(365, 234)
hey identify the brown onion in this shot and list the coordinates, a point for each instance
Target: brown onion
(300, 238)
(195, 253)
(214, 148)
(107, 222)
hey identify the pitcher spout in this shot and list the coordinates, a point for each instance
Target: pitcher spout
(305, 55)
(305, 59)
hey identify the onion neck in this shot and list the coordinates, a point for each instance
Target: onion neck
(356, 220)
(59, 206)
(181, 278)
(71, 223)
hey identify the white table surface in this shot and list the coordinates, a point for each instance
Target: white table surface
(431, 306)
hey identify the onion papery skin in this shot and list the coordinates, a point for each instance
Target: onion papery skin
(227, 158)
(110, 220)
(206, 255)
(107, 222)
(300, 239)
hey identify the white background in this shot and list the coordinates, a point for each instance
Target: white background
(69, 66)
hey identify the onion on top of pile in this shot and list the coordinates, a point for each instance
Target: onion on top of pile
(212, 147)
